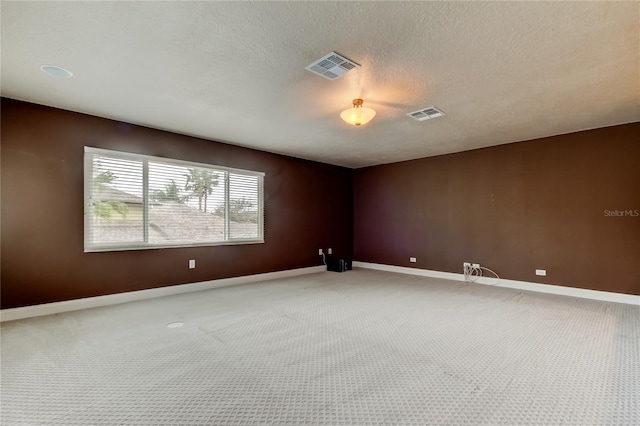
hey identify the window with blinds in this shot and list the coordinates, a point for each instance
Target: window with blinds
(136, 202)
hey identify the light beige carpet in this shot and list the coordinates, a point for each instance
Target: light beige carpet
(358, 348)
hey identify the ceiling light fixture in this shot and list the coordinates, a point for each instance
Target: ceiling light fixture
(358, 115)
(56, 71)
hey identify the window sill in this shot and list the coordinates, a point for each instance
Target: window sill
(121, 247)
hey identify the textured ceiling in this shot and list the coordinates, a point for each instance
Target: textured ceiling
(234, 71)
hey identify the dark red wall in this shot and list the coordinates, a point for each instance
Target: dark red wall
(513, 208)
(308, 205)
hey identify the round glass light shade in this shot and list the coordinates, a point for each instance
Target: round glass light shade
(358, 115)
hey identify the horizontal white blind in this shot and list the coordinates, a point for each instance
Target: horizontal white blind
(183, 202)
(116, 201)
(244, 212)
(135, 202)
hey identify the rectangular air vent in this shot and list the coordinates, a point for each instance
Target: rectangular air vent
(332, 66)
(426, 114)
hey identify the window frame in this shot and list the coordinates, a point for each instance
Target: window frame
(89, 247)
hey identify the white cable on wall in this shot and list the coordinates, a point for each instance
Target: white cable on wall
(473, 274)
(493, 272)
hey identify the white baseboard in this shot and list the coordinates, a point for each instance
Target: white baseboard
(131, 296)
(520, 285)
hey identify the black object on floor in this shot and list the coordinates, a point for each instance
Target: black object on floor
(338, 265)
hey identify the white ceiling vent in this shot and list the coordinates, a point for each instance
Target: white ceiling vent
(426, 114)
(332, 66)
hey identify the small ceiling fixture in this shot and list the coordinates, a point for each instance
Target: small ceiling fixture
(332, 66)
(56, 71)
(426, 114)
(358, 115)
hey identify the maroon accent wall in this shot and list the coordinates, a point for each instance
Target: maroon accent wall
(308, 205)
(513, 208)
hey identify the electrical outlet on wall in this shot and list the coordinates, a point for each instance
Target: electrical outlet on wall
(329, 251)
(319, 252)
(541, 272)
(192, 264)
(412, 259)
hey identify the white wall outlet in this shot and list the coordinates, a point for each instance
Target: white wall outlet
(475, 265)
(329, 251)
(412, 259)
(466, 265)
(192, 264)
(319, 252)
(541, 272)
